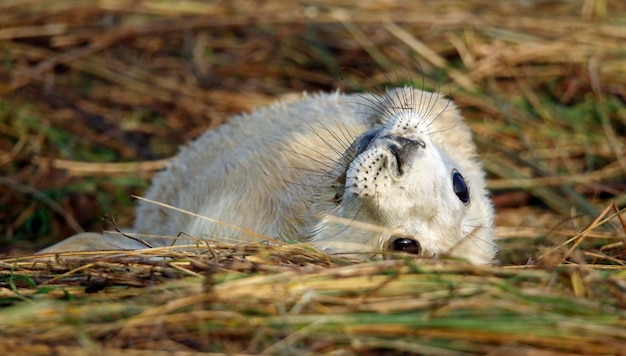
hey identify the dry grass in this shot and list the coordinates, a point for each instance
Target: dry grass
(93, 93)
(293, 300)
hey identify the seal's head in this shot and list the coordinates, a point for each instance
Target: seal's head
(411, 183)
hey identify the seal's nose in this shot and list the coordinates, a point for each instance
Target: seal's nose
(401, 147)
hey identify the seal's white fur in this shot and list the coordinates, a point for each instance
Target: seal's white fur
(323, 169)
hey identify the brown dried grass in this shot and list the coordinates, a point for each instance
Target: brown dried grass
(93, 92)
(291, 299)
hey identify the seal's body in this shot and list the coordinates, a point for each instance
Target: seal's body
(361, 174)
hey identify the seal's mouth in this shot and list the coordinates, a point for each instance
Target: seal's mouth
(357, 147)
(363, 142)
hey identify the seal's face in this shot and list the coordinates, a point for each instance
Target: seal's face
(416, 195)
(403, 181)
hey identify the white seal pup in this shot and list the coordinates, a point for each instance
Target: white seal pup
(364, 174)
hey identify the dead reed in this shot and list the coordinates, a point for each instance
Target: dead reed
(93, 93)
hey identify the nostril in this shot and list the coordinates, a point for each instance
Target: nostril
(407, 245)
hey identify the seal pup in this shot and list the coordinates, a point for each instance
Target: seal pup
(364, 174)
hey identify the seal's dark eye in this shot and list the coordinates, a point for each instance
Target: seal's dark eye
(460, 187)
(403, 244)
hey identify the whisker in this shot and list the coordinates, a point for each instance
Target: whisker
(313, 159)
(352, 220)
(297, 183)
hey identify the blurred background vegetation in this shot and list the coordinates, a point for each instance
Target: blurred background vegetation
(95, 94)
